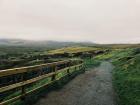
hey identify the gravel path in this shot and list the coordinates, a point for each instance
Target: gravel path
(94, 87)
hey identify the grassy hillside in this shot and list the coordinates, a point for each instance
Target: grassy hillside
(127, 79)
(122, 46)
(115, 54)
(126, 74)
(18, 56)
(41, 44)
(74, 49)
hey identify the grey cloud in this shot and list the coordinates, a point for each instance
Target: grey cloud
(102, 21)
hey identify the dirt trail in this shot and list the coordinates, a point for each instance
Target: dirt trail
(94, 87)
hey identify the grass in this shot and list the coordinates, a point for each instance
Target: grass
(126, 75)
(115, 54)
(91, 63)
(74, 49)
(127, 81)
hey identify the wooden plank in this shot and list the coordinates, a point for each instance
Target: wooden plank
(54, 75)
(23, 91)
(29, 92)
(34, 80)
(31, 68)
(71, 67)
(20, 96)
(16, 85)
(10, 100)
(27, 69)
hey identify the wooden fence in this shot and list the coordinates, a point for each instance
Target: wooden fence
(18, 79)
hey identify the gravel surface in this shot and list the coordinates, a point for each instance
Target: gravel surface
(94, 87)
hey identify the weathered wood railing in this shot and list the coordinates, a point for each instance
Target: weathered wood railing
(18, 79)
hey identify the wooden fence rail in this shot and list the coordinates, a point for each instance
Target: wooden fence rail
(32, 74)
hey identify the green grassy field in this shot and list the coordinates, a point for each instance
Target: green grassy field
(15, 56)
(74, 49)
(126, 59)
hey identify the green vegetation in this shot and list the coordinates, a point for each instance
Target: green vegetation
(74, 49)
(127, 80)
(14, 56)
(19, 56)
(126, 59)
(91, 63)
(126, 74)
(115, 54)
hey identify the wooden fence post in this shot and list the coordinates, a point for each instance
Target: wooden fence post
(84, 67)
(23, 91)
(80, 65)
(68, 70)
(54, 70)
(76, 66)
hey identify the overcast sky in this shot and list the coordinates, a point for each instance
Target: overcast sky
(101, 21)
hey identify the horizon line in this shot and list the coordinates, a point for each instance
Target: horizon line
(64, 41)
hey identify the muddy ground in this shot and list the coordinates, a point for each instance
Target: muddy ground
(94, 87)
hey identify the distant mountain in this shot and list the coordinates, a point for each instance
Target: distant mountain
(50, 44)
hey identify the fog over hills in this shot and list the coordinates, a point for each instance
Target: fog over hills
(45, 43)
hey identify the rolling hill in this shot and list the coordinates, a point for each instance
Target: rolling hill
(47, 43)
